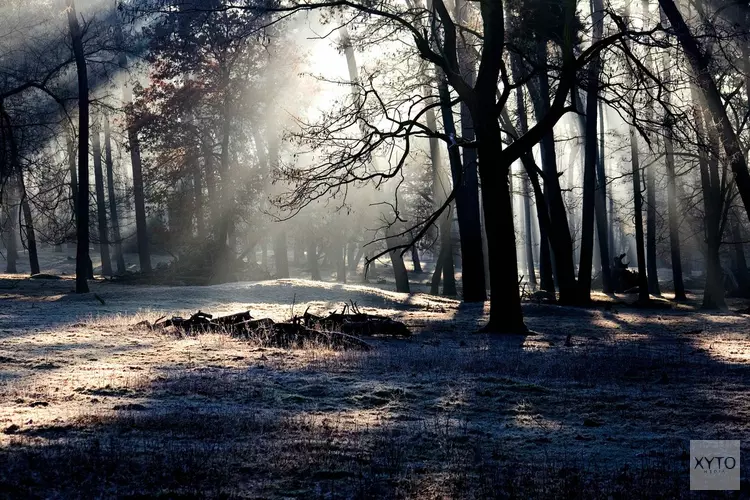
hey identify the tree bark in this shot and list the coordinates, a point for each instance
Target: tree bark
(397, 261)
(10, 230)
(437, 273)
(467, 213)
(643, 295)
(467, 190)
(591, 159)
(101, 210)
(415, 260)
(73, 175)
(545, 260)
(713, 201)
(29, 223)
(530, 268)
(440, 190)
(743, 274)
(112, 198)
(559, 235)
(82, 202)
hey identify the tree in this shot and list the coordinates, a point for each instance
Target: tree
(82, 204)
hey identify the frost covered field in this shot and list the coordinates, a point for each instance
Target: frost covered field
(90, 407)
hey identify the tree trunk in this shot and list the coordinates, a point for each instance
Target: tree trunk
(280, 255)
(29, 223)
(82, 204)
(112, 199)
(73, 175)
(559, 235)
(467, 189)
(643, 295)
(545, 263)
(397, 261)
(530, 270)
(713, 201)
(743, 275)
(101, 206)
(610, 198)
(505, 300)
(415, 260)
(312, 260)
(441, 188)
(589, 170)
(353, 263)
(653, 278)
(437, 273)
(10, 230)
(449, 273)
(467, 203)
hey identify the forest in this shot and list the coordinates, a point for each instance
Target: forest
(374, 248)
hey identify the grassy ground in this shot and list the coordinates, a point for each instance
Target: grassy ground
(90, 407)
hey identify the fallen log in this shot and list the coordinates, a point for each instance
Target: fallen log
(354, 322)
(267, 332)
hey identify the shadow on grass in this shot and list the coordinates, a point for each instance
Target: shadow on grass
(447, 415)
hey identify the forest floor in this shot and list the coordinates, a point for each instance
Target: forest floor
(601, 403)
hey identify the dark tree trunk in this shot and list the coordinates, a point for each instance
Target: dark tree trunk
(114, 220)
(397, 261)
(713, 201)
(82, 204)
(101, 205)
(545, 263)
(530, 269)
(559, 232)
(353, 263)
(10, 231)
(449, 272)
(415, 260)
(29, 223)
(643, 295)
(610, 198)
(441, 188)
(674, 228)
(594, 203)
(73, 174)
(312, 260)
(589, 186)
(139, 199)
(437, 273)
(467, 190)
(505, 300)
(280, 255)
(653, 278)
(743, 275)
(467, 202)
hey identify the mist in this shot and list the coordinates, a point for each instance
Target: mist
(508, 200)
